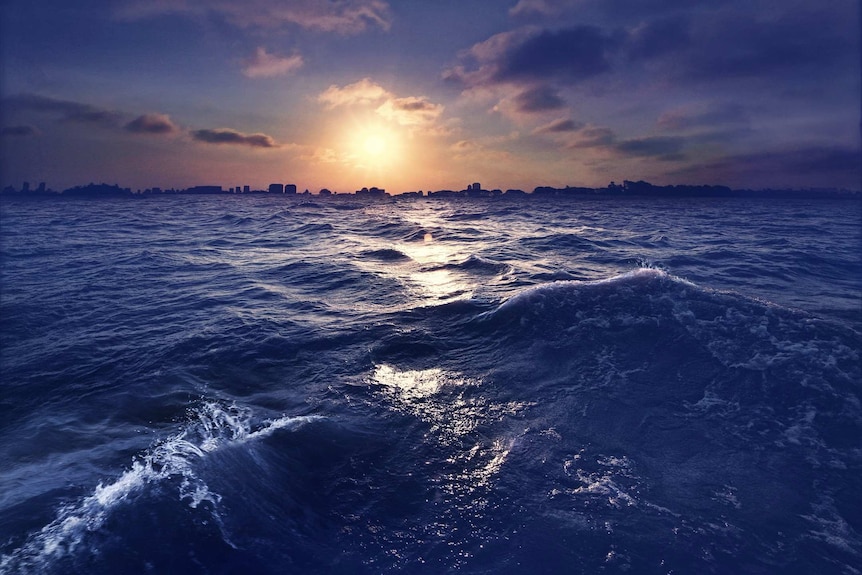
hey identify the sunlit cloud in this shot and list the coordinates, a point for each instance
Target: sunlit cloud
(362, 92)
(321, 156)
(342, 17)
(266, 65)
(410, 111)
(232, 137)
(561, 125)
(485, 149)
(415, 112)
(152, 124)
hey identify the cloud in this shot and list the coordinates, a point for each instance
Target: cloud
(410, 111)
(415, 112)
(266, 65)
(152, 124)
(19, 131)
(675, 41)
(569, 55)
(482, 151)
(681, 119)
(362, 92)
(583, 136)
(562, 125)
(341, 17)
(536, 9)
(539, 99)
(659, 37)
(67, 110)
(733, 40)
(735, 45)
(593, 137)
(660, 147)
(232, 137)
(794, 167)
(320, 156)
(526, 69)
(482, 60)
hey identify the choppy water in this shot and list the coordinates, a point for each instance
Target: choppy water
(272, 385)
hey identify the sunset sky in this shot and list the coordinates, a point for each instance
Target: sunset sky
(418, 95)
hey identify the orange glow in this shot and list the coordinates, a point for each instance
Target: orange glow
(374, 146)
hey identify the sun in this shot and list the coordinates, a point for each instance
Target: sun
(375, 146)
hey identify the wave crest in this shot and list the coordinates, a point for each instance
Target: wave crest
(211, 427)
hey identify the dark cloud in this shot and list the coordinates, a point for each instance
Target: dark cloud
(675, 43)
(661, 147)
(659, 37)
(535, 8)
(646, 8)
(24, 130)
(68, 110)
(559, 126)
(808, 166)
(735, 45)
(593, 137)
(618, 9)
(539, 99)
(664, 148)
(151, 124)
(678, 120)
(232, 137)
(414, 105)
(341, 16)
(569, 55)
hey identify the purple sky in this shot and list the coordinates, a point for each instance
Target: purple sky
(416, 94)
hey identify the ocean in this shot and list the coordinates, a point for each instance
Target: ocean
(474, 386)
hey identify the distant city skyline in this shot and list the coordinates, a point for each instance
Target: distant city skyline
(473, 190)
(429, 95)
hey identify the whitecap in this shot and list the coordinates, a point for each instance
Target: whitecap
(211, 427)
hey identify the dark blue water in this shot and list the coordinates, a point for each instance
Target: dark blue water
(271, 385)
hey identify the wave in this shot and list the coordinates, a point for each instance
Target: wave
(477, 264)
(708, 394)
(738, 331)
(386, 255)
(212, 427)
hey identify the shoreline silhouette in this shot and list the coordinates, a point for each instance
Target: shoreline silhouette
(628, 188)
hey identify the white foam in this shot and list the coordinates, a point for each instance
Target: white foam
(212, 427)
(536, 296)
(604, 483)
(828, 526)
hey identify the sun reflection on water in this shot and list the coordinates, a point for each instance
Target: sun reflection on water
(426, 269)
(458, 417)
